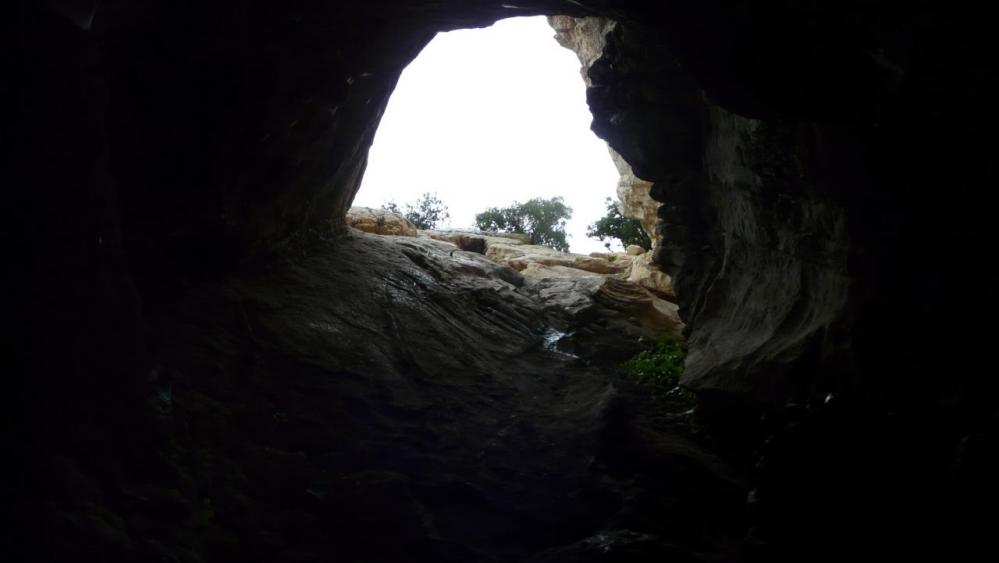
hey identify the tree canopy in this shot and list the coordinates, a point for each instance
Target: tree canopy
(614, 225)
(543, 220)
(427, 213)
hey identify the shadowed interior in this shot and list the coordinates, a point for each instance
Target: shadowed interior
(209, 366)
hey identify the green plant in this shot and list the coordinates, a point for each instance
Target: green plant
(428, 211)
(614, 225)
(543, 220)
(203, 516)
(661, 365)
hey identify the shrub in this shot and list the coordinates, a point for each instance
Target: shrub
(613, 225)
(661, 365)
(543, 220)
(428, 211)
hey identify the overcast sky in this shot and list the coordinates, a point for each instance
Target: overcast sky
(484, 117)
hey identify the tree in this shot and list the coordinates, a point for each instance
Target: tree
(543, 220)
(614, 225)
(428, 211)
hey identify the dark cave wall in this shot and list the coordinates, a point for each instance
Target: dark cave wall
(827, 173)
(824, 169)
(824, 205)
(754, 231)
(231, 134)
(155, 148)
(808, 160)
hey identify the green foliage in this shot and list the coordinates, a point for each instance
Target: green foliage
(428, 211)
(659, 366)
(543, 220)
(613, 225)
(203, 516)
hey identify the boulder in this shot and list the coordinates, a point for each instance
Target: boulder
(585, 263)
(515, 250)
(600, 305)
(478, 241)
(645, 273)
(602, 294)
(380, 222)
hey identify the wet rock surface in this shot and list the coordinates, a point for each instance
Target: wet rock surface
(426, 418)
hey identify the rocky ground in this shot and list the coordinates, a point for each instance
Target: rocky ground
(602, 305)
(198, 375)
(430, 416)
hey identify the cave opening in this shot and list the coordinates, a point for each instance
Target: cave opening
(485, 117)
(213, 368)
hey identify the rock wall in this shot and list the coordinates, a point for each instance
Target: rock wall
(757, 330)
(826, 174)
(587, 38)
(583, 36)
(602, 293)
(633, 193)
(778, 225)
(751, 320)
(380, 222)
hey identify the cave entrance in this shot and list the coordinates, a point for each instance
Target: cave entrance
(486, 117)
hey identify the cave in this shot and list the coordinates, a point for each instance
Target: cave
(209, 365)
(485, 117)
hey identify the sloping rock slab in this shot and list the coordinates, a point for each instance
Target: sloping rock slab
(418, 417)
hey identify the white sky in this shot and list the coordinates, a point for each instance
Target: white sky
(484, 117)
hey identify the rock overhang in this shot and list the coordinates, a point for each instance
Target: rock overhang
(239, 140)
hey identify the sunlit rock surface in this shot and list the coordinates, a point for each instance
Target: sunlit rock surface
(600, 289)
(517, 252)
(587, 38)
(647, 274)
(380, 222)
(583, 36)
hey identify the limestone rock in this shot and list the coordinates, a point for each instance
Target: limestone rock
(634, 250)
(583, 36)
(587, 38)
(600, 293)
(520, 256)
(516, 251)
(635, 201)
(647, 274)
(380, 222)
(538, 270)
(626, 305)
(585, 263)
(597, 305)
(535, 261)
(478, 241)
